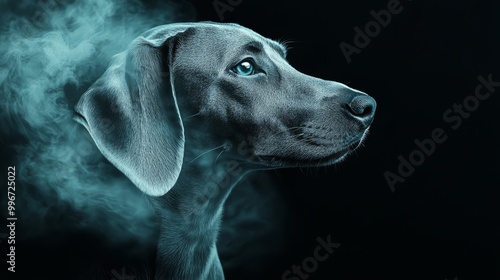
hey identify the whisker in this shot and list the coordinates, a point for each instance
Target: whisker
(227, 146)
(197, 114)
(218, 147)
(289, 129)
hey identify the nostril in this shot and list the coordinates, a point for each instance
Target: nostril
(366, 111)
(362, 106)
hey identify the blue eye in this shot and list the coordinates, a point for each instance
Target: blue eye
(244, 68)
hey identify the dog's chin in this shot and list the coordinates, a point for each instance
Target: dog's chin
(312, 161)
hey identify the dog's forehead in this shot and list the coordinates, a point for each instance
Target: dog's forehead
(232, 37)
(231, 32)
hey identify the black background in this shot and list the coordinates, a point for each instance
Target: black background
(443, 221)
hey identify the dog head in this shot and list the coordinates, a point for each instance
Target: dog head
(227, 83)
(242, 84)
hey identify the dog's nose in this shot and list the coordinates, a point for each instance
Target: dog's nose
(362, 107)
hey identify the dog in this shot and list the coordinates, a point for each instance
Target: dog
(190, 108)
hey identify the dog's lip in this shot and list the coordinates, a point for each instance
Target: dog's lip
(291, 162)
(355, 145)
(272, 160)
(329, 159)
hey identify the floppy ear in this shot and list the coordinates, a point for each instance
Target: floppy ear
(132, 114)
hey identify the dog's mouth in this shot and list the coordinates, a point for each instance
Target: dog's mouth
(311, 161)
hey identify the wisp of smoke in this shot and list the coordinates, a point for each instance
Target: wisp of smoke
(50, 52)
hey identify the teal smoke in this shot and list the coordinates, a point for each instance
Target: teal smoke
(50, 52)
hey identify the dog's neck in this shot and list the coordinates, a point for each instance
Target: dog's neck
(191, 215)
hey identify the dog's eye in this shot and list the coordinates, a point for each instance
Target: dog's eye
(244, 68)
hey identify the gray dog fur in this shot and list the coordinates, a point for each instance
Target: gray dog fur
(173, 115)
